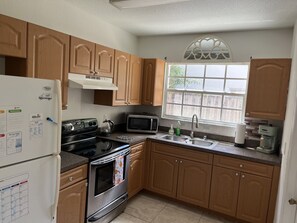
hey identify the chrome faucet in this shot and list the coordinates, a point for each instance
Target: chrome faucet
(192, 127)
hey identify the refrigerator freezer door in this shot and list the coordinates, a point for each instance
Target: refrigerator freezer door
(30, 119)
(28, 191)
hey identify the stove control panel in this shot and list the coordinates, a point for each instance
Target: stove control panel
(79, 125)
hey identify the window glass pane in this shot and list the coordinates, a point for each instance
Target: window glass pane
(189, 111)
(174, 97)
(231, 116)
(211, 114)
(192, 99)
(212, 100)
(176, 83)
(177, 70)
(235, 102)
(194, 84)
(172, 109)
(214, 85)
(237, 71)
(215, 71)
(235, 86)
(195, 70)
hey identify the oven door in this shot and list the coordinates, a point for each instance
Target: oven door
(107, 180)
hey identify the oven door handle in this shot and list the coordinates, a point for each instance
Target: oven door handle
(111, 159)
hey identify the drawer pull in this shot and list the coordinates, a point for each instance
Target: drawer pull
(176, 161)
(242, 176)
(180, 161)
(240, 165)
(237, 174)
(70, 179)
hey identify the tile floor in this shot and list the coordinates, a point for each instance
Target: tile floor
(149, 208)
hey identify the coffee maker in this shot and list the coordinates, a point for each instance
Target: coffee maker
(269, 139)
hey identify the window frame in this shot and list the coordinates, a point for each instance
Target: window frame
(223, 93)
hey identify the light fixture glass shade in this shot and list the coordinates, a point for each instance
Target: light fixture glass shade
(126, 4)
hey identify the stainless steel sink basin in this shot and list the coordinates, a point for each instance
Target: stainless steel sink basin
(205, 143)
(175, 138)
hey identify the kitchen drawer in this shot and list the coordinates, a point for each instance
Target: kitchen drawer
(182, 153)
(243, 165)
(139, 148)
(73, 176)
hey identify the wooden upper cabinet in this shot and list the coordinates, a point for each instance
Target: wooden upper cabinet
(82, 54)
(48, 56)
(135, 81)
(268, 88)
(194, 182)
(153, 82)
(224, 190)
(121, 77)
(104, 61)
(163, 174)
(13, 37)
(253, 200)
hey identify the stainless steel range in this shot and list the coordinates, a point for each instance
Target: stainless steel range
(108, 168)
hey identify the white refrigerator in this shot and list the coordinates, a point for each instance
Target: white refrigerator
(30, 135)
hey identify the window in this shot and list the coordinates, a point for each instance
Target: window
(215, 92)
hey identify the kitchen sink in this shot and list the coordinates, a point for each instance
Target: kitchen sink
(175, 138)
(203, 143)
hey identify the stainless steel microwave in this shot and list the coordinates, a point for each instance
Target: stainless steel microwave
(142, 123)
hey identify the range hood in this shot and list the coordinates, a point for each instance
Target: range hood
(91, 82)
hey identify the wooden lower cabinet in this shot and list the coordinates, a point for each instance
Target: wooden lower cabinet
(136, 170)
(73, 196)
(241, 195)
(224, 190)
(253, 198)
(163, 174)
(72, 203)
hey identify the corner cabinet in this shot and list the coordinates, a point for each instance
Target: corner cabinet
(136, 169)
(13, 37)
(268, 88)
(73, 195)
(128, 79)
(180, 173)
(48, 56)
(153, 82)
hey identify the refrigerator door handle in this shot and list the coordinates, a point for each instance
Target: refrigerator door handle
(59, 113)
(55, 205)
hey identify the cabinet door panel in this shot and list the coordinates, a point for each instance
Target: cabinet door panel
(224, 190)
(13, 37)
(135, 81)
(253, 198)
(148, 81)
(163, 174)
(194, 183)
(136, 174)
(81, 56)
(104, 61)
(121, 75)
(268, 88)
(48, 56)
(72, 203)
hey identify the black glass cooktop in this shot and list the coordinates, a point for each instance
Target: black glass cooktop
(100, 148)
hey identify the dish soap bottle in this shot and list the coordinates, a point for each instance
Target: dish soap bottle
(171, 131)
(177, 131)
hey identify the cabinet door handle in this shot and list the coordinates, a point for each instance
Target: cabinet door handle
(240, 165)
(242, 176)
(70, 179)
(176, 161)
(181, 161)
(237, 174)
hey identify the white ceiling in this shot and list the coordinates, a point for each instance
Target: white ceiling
(196, 16)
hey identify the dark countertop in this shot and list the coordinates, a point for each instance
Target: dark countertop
(222, 148)
(70, 161)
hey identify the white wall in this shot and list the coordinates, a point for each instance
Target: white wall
(64, 16)
(258, 44)
(288, 180)
(243, 45)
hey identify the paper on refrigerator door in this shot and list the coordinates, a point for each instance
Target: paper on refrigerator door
(36, 126)
(14, 198)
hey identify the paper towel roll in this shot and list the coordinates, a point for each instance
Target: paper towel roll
(240, 134)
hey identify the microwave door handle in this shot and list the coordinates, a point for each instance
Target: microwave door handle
(103, 161)
(151, 127)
